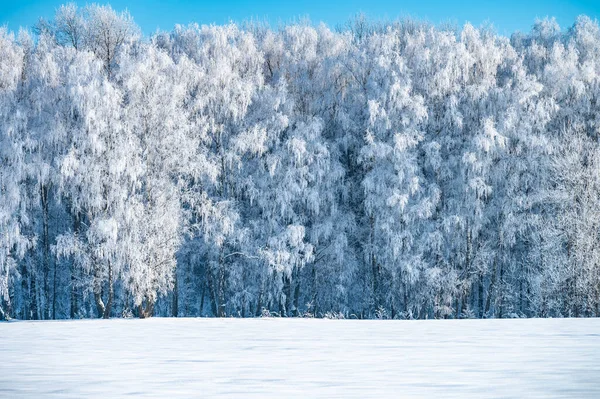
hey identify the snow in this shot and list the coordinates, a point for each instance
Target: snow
(259, 358)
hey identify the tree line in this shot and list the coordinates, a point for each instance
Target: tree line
(376, 170)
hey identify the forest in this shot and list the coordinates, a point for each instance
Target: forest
(390, 170)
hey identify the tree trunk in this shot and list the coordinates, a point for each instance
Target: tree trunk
(405, 299)
(175, 307)
(74, 309)
(98, 293)
(221, 285)
(45, 249)
(521, 294)
(54, 293)
(202, 296)
(500, 292)
(374, 267)
(260, 299)
(480, 297)
(315, 290)
(490, 288)
(211, 291)
(99, 303)
(296, 299)
(74, 305)
(146, 311)
(467, 278)
(33, 305)
(286, 305)
(109, 301)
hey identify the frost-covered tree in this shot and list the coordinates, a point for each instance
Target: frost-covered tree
(381, 170)
(12, 173)
(97, 173)
(394, 194)
(162, 151)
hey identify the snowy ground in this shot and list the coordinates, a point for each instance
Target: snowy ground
(166, 358)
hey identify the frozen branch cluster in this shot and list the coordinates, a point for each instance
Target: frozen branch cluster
(393, 170)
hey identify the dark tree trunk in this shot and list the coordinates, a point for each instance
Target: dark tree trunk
(405, 298)
(480, 297)
(259, 302)
(212, 291)
(221, 285)
(146, 309)
(490, 290)
(374, 266)
(202, 296)
(33, 305)
(74, 305)
(500, 292)
(45, 249)
(109, 301)
(100, 307)
(315, 290)
(286, 305)
(175, 307)
(296, 300)
(54, 293)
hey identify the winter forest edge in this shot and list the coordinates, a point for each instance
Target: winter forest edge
(379, 170)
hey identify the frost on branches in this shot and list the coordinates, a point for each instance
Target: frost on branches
(385, 170)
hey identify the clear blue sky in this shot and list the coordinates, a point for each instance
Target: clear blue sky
(506, 15)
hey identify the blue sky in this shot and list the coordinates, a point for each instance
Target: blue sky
(506, 15)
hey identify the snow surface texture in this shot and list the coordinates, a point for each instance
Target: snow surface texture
(166, 358)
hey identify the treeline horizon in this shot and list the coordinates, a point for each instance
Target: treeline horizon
(384, 170)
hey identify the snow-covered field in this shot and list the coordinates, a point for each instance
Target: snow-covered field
(166, 358)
